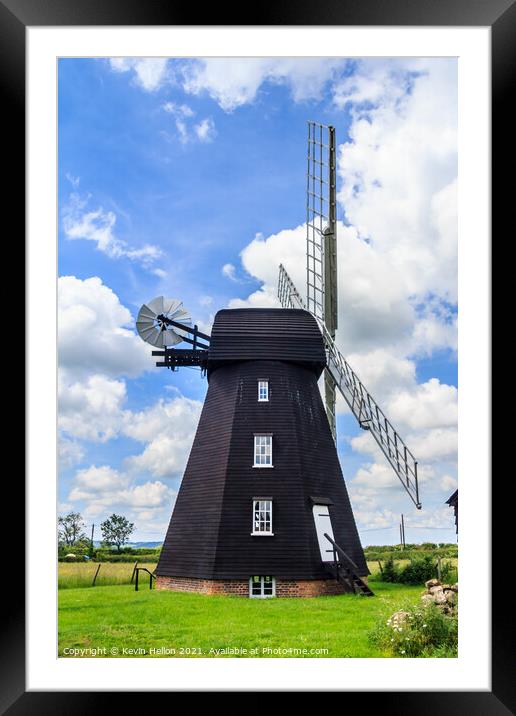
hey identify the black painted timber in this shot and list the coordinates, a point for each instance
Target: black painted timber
(266, 334)
(209, 535)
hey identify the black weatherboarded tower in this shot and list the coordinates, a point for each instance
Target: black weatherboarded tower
(263, 509)
(263, 482)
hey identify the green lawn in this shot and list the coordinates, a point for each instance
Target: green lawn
(118, 618)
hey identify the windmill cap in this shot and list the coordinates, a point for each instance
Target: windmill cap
(284, 334)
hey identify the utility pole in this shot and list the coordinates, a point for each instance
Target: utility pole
(92, 533)
(403, 531)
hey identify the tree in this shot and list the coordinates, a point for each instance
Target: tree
(116, 530)
(70, 529)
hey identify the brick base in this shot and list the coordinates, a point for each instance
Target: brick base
(240, 587)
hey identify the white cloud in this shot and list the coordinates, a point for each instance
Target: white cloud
(428, 405)
(235, 83)
(98, 226)
(205, 130)
(103, 489)
(95, 334)
(229, 271)
(91, 410)
(181, 110)
(168, 428)
(436, 445)
(398, 171)
(70, 452)
(448, 483)
(149, 73)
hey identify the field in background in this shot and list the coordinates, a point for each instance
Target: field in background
(117, 618)
(80, 574)
(374, 567)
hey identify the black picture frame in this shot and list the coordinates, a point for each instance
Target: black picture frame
(500, 16)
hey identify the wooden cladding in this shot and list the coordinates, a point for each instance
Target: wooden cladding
(209, 535)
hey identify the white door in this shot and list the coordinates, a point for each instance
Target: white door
(323, 525)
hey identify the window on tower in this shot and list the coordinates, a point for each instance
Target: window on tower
(262, 451)
(263, 391)
(262, 517)
(262, 587)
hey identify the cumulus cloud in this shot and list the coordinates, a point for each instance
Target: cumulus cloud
(70, 452)
(95, 332)
(168, 429)
(428, 405)
(149, 73)
(103, 489)
(98, 226)
(91, 409)
(233, 84)
(398, 170)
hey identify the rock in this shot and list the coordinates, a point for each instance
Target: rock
(427, 599)
(436, 590)
(432, 583)
(451, 596)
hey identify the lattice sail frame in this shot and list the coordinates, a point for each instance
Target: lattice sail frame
(321, 241)
(321, 229)
(361, 403)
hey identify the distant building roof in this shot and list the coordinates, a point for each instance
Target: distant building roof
(453, 501)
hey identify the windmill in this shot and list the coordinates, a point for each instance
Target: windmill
(263, 509)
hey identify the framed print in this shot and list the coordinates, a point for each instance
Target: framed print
(236, 219)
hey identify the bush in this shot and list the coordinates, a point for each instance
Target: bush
(390, 572)
(132, 558)
(418, 571)
(418, 631)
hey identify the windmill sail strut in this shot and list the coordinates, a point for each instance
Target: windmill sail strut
(363, 406)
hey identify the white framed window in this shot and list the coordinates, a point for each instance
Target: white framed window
(262, 587)
(263, 450)
(262, 517)
(263, 391)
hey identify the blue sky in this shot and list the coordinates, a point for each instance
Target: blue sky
(186, 178)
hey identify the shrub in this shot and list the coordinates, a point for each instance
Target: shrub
(418, 631)
(418, 571)
(390, 572)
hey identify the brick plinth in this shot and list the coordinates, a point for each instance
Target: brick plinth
(240, 588)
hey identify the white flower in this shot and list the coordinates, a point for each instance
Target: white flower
(403, 651)
(424, 625)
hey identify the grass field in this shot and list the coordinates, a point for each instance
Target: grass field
(115, 618)
(80, 574)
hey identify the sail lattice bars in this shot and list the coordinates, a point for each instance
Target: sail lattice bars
(363, 406)
(371, 417)
(321, 216)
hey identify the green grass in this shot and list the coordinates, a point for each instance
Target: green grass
(80, 574)
(117, 617)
